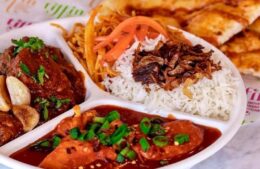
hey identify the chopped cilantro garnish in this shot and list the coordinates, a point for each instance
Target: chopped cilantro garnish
(40, 75)
(25, 68)
(55, 58)
(34, 43)
(44, 103)
(59, 102)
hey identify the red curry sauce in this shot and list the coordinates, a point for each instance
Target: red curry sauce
(30, 156)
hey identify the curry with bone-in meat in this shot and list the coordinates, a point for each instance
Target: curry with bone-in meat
(109, 137)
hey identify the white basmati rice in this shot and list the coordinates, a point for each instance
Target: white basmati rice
(211, 97)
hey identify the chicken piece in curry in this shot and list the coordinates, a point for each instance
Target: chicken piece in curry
(111, 137)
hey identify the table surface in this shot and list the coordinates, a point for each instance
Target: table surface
(242, 152)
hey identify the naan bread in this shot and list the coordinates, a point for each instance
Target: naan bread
(244, 51)
(255, 26)
(219, 22)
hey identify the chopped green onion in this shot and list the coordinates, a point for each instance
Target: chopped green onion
(25, 68)
(59, 102)
(55, 141)
(82, 136)
(160, 141)
(145, 125)
(120, 158)
(105, 125)
(131, 155)
(181, 138)
(113, 115)
(94, 126)
(74, 133)
(99, 120)
(90, 134)
(144, 144)
(44, 104)
(157, 130)
(124, 151)
(119, 133)
(104, 139)
(45, 143)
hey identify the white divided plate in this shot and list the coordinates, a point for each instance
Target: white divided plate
(96, 97)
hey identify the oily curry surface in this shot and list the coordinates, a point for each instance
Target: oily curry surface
(137, 148)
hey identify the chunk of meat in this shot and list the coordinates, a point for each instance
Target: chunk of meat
(61, 79)
(170, 151)
(76, 121)
(72, 154)
(10, 128)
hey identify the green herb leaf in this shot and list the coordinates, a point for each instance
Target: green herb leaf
(144, 144)
(40, 75)
(45, 112)
(181, 138)
(59, 102)
(34, 43)
(74, 133)
(25, 68)
(44, 104)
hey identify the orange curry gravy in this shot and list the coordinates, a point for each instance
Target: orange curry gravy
(130, 117)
